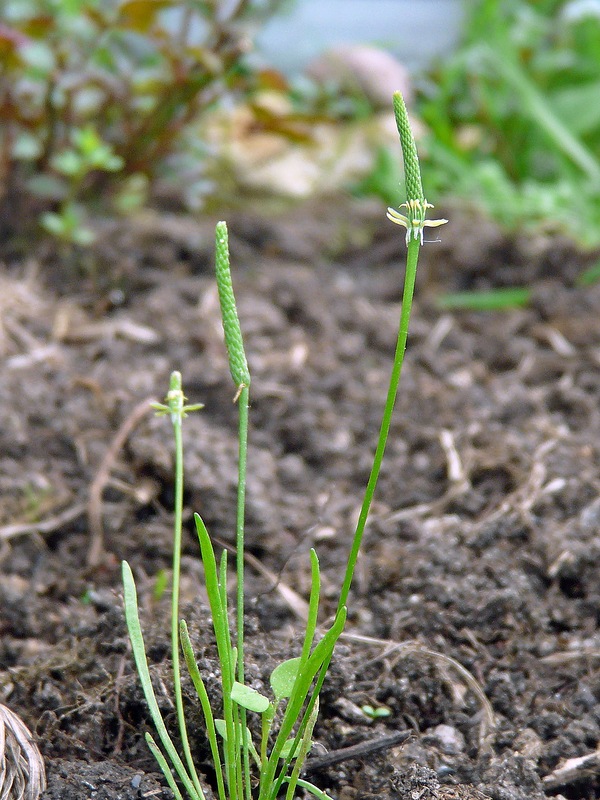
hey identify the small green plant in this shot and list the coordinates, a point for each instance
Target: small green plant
(245, 768)
(86, 155)
(375, 712)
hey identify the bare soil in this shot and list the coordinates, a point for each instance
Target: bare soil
(474, 615)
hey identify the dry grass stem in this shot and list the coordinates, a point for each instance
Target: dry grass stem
(22, 772)
(48, 525)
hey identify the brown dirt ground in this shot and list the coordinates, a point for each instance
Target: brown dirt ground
(478, 581)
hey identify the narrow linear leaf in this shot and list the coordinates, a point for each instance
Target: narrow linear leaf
(164, 766)
(310, 787)
(200, 688)
(322, 651)
(313, 606)
(302, 751)
(139, 653)
(223, 639)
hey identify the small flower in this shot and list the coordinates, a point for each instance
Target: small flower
(175, 402)
(415, 220)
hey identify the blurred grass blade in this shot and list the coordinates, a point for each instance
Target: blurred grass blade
(493, 300)
(537, 108)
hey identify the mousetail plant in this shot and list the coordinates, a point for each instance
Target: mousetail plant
(245, 769)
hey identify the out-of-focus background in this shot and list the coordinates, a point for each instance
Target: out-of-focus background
(108, 107)
(414, 32)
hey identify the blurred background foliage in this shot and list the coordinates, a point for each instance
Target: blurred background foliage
(97, 96)
(100, 102)
(513, 117)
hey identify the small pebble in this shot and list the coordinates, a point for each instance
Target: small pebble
(136, 781)
(451, 741)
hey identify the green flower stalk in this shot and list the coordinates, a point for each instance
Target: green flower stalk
(176, 408)
(238, 366)
(414, 223)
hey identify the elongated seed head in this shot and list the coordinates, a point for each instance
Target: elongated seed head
(231, 323)
(412, 171)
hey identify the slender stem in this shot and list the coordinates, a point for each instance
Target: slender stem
(177, 526)
(412, 257)
(243, 406)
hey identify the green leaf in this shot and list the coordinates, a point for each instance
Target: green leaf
(320, 654)
(249, 698)
(375, 713)
(86, 140)
(164, 766)
(221, 728)
(578, 106)
(222, 635)
(283, 677)
(287, 749)
(68, 163)
(53, 223)
(313, 607)
(300, 753)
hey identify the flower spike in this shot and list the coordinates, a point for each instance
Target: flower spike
(416, 205)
